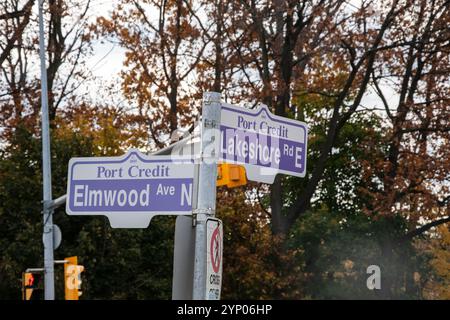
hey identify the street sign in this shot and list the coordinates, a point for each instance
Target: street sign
(264, 143)
(183, 259)
(57, 236)
(214, 248)
(130, 189)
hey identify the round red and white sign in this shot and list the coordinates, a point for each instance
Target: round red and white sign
(215, 249)
(214, 261)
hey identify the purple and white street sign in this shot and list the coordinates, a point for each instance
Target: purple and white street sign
(265, 144)
(130, 189)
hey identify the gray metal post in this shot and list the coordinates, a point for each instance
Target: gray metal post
(47, 238)
(206, 193)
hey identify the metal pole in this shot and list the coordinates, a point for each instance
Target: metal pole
(205, 205)
(58, 202)
(47, 238)
(34, 270)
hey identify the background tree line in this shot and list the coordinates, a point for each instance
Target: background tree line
(377, 184)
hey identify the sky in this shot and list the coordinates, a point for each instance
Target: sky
(107, 60)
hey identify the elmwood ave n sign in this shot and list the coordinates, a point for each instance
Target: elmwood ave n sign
(130, 189)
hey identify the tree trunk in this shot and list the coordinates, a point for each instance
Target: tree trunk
(173, 108)
(279, 226)
(387, 269)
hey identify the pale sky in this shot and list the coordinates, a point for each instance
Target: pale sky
(107, 61)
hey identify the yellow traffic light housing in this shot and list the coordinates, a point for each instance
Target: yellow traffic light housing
(27, 285)
(231, 175)
(72, 278)
(30, 286)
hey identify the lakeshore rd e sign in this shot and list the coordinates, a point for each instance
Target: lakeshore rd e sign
(130, 189)
(264, 143)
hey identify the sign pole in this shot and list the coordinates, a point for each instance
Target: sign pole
(47, 237)
(205, 206)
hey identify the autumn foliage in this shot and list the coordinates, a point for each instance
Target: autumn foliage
(371, 79)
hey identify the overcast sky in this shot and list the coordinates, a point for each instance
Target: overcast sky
(107, 61)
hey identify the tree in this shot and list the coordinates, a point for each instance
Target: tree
(438, 287)
(68, 45)
(287, 36)
(376, 184)
(416, 159)
(254, 265)
(120, 264)
(162, 54)
(16, 28)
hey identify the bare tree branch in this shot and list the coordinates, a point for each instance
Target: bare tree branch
(18, 32)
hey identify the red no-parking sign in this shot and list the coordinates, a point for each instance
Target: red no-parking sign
(214, 247)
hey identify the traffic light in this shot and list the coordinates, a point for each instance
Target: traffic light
(231, 175)
(31, 286)
(72, 278)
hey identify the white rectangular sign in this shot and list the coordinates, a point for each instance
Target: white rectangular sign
(264, 143)
(214, 248)
(130, 189)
